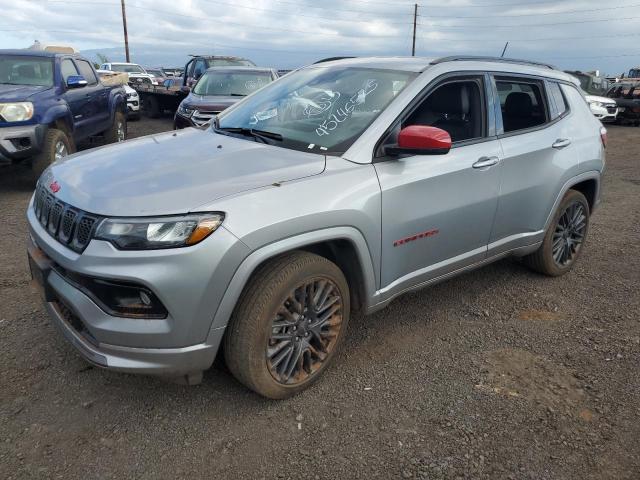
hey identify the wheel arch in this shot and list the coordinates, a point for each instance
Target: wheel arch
(345, 246)
(588, 182)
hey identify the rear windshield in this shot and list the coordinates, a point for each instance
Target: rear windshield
(231, 83)
(17, 70)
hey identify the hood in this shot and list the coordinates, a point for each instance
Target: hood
(18, 93)
(595, 98)
(174, 172)
(212, 103)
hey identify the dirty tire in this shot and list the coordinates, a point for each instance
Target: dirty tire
(151, 106)
(112, 135)
(250, 327)
(542, 259)
(48, 154)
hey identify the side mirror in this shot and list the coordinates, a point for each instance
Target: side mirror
(420, 140)
(76, 81)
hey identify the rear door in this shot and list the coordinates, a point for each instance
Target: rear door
(438, 210)
(538, 157)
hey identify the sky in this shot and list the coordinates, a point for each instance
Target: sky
(571, 34)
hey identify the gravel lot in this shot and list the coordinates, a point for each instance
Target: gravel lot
(500, 373)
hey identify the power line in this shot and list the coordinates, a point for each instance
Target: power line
(521, 25)
(536, 14)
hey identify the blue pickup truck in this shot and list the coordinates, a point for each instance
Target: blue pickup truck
(49, 102)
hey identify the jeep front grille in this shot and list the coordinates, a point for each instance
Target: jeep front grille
(68, 225)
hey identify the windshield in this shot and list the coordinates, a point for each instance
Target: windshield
(16, 70)
(634, 73)
(594, 85)
(156, 73)
(229, 62)
(322, 109)
(231, 83)
(123, 67)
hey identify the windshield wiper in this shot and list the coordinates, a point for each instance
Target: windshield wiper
(252, 132)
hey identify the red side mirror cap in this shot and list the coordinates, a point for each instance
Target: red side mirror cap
(421, 140)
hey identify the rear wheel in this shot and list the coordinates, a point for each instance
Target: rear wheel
(57, 145)
(564, 240)
(118, 130)
(288, 325)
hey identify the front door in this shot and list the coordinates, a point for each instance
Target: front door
(438, 210)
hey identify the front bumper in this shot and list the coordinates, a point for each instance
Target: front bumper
(190, 282)
(133, 106)
(18, 143)
(604, 113)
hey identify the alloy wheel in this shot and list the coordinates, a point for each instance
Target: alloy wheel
(60, 151)
(304, 331)
(120, 133)
(569, 234)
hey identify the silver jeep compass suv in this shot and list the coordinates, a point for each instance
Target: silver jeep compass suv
(332, 190)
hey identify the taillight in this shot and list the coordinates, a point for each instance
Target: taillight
(603, 136)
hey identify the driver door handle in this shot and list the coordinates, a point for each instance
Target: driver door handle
(486, 162)
(561, 143)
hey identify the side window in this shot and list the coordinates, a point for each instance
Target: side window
(104, 66)
(67, 69)
(456, 107)
(199, 68)
(558, 105)
(522, 104)
(87, 72)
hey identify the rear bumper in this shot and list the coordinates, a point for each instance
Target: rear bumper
(18, 143)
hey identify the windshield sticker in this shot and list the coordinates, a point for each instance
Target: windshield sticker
(254, 84)
(343, 113)
(311, 146)
(263, 115)
(324, 103)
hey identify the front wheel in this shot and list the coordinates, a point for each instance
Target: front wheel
(118, 130)
(57, 145)
(564, 240)
(288, 324)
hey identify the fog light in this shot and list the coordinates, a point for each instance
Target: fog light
(145, 298)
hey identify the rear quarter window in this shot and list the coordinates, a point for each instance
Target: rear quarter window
(558, 105)
(575, 99)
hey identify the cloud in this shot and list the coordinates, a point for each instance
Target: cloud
(287, 33)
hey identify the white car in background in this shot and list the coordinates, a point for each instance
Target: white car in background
(594, 87)
(136, 73)
(605, 109)
(109, 77)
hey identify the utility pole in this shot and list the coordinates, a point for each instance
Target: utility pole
(415, 18)
(504, 50)
(124, 25)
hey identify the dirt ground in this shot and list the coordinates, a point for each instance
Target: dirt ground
(500, 373)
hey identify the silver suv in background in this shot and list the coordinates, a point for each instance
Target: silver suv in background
(330, 191)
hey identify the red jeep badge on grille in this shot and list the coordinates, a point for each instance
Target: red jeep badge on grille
(55, 187)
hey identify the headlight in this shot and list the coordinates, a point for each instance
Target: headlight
(185, 111)
(161, 232)
(596, 104)
(16, 112)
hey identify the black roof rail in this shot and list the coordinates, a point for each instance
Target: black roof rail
(331, 59)
(480, 58)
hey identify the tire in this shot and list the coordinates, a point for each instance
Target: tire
(151, 106)
(543, 259)
(56, 146)
(250, 352)
(118, 130)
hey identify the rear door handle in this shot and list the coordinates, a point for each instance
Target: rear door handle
(561, 143)
(486, 162)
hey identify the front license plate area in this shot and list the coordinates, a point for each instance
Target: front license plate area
(40, 266)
